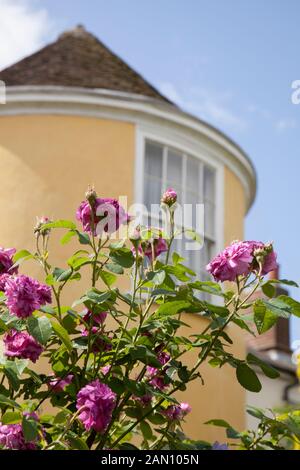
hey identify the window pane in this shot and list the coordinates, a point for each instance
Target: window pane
(189, 211)
(200, 187)
(153, 174)
(153, 160)
(209, 184)
(193, 259)
(174, 169)
(209, 219)
(192, 179)
(152, 193)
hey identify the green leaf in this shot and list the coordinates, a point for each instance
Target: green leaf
(108, 278)
(266, 312)
(62, 416)
(156, 277)
(36, 377)
(156, 292)
(60, 224)
(8, 402)
(278, 307)
(266, 368)
(123, 256)
(67, 237)
(76, 441)
(286, 282)
(268, 289)
(215, 362)
(98, 298)
(243, 325)
(83, 238)
(264, 319)
(3, 325)
(30, 429)
(178, 271)
(143, 354)
(117, 385)
(81, 342)
(115, 268)
(255, 412)
(21, 255)
(77, 261)
(231, 433)
(292, 303)
(117, 245)
(156, 418)
(79, 301)
(128, 446)
(50, 280)
(133, 412)
(62, 274)
(209, 287)
(62, 334)
(248, 378)
(171, 308)
(217, 309)
(176, 258)
(218, 422)
(193, 235)
(40, 328)
(19, 365)
(11, 417)
(48, 309)
(69, 322)
(146, 430)
(184, 374)
(12, 375)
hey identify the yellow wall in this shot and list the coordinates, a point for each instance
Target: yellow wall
(46, 164)
(234, 208)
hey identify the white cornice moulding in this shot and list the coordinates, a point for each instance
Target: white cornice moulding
(140, 110)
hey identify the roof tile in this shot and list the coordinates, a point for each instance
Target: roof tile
(78, 59)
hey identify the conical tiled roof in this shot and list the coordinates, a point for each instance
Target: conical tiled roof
(78, 59)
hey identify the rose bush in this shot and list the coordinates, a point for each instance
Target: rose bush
(114, 387)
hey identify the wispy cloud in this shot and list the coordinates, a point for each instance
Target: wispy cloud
(23, 29)
(285, 124)
(213, 106)
(259, 111)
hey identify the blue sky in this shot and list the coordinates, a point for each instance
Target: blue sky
(230, 62)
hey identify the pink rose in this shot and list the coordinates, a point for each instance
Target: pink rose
(270, 258)
(177, 412)
(24, 295)
(107, 213)
(169, 197)
(97, 401)
(6, 261)
(12, 437)
(240, 259)
(20, 344)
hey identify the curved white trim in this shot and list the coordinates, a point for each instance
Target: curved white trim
(140, 110)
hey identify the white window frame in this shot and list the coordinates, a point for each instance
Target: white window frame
(158, 135)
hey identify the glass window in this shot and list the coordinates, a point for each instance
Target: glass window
(195, 184)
